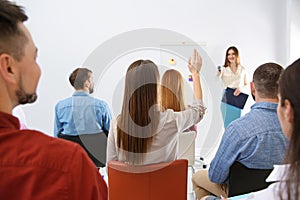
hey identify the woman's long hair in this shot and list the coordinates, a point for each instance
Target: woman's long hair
(172, 91)
(289, 90)
(137, 124)
(236, 52)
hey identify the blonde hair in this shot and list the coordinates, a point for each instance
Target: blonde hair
(172, 91)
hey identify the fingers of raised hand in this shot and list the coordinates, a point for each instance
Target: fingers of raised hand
(197, 61)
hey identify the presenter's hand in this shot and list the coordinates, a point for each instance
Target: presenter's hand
(237, 92)
(195, 63)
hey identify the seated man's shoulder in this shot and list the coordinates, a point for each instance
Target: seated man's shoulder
(54, 152)
(64, 102)
(240, 127)
(251, 123)
(101, 103)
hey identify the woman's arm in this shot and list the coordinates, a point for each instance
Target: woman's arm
(195, 65)
(194, 113)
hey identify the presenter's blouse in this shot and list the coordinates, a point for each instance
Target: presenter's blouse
(233, 80)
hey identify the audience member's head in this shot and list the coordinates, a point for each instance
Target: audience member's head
(265, 81)
(289, 116)
(31, 152)
(19, 72)
(13, 39)
(139, 118)
(232, 56)
(81, 79)
(172, 91)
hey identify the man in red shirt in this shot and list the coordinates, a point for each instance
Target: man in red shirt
(32, 164)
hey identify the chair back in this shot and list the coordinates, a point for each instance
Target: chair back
(93, 144)
(186, 148)
(244, 180)
(167, 180)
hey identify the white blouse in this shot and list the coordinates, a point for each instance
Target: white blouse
(165, 144)
(233, 80)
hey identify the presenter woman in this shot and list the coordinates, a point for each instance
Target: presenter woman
(233, 75)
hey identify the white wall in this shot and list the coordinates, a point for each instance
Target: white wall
(294, 29)
(67, 32)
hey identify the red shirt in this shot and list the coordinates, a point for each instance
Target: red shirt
(36, 166)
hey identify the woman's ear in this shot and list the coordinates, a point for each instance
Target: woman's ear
(289, 112)
(7, 70)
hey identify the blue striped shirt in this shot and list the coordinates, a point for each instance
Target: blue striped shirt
(255, 140)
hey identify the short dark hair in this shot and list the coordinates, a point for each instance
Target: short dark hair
(78, 77)
(266, 79)
(12, 39)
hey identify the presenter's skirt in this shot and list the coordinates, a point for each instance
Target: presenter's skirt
(229, 113)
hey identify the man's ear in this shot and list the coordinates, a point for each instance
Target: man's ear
(289, 112)
(252, 87)
(7, 70)
(86, 84)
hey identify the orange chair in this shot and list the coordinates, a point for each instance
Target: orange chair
(160, 181)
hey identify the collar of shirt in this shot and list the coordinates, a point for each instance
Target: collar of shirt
(264, 105)
(8, 121)
(81, 93)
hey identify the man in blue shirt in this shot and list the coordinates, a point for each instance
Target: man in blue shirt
(81, 115)
(255, 140)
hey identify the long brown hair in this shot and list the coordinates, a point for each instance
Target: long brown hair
(236, 52)
(289, 90)
(172, 90)
(137, 124)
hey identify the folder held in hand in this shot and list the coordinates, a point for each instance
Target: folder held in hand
(237, 101)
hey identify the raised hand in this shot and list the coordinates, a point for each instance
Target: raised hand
(195, 63)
